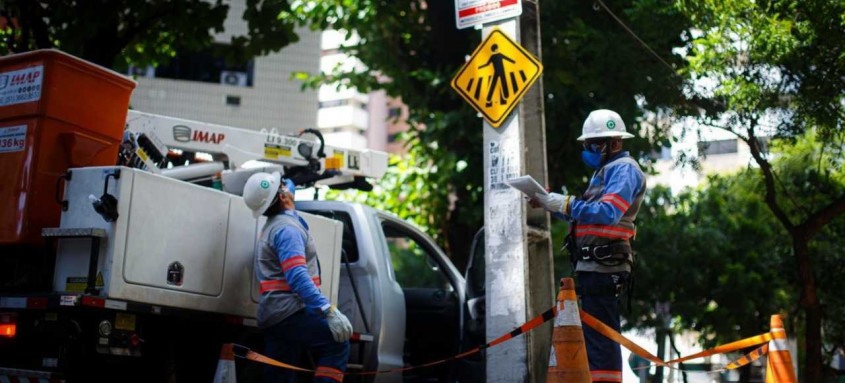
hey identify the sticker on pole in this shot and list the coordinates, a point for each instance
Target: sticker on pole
(470, 13)
(496, 77)
(12, 138)
(20, 86)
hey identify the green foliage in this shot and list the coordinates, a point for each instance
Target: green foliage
(411, 267)
(412, 49)
(716, 255)
(782, 58)
(776, 68)
(811, 171)
(723, 261)
(117, 33)
(591, 62)
(404, 191)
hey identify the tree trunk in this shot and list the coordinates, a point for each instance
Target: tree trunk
(661, 354)
(812, 309)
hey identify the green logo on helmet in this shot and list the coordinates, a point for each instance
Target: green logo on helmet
(265, 185)
(611, 124)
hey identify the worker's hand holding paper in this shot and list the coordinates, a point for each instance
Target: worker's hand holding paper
(538, 196)
(526, 184)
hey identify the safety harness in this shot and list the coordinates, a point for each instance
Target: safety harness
(613, 254)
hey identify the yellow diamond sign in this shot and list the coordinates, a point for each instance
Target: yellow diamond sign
(496, 77)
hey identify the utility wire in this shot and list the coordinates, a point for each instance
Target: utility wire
(618, 20)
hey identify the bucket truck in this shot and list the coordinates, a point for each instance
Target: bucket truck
(140, 272)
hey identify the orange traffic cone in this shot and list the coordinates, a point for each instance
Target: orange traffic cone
(568, 361)
(225, 372)
(779, 368)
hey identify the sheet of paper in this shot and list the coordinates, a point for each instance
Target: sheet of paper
(527, 185)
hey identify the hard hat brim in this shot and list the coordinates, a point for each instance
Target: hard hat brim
(624, 135)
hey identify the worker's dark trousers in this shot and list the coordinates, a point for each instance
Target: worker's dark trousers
(305, 330)
(599, 300)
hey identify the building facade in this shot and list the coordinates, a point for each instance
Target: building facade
(350, 118)
(259, 94)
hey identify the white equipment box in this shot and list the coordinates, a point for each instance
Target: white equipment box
(174, 243)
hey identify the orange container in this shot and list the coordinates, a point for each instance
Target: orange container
(56, 112)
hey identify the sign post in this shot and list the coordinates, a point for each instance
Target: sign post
(517, 244)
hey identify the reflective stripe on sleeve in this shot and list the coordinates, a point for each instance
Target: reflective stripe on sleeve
(617, 201)
(297, 260)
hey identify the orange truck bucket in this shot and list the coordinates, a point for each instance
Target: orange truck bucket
(56, 112)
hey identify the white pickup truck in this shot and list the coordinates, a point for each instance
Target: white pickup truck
(153, 274)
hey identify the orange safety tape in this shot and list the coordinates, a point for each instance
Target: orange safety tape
(748, 358)
(738, 345)
(254, 356)
(612, 334)
(246, 353)
(615, 336)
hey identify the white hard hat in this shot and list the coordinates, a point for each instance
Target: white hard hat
(260, 191)
(603, 123)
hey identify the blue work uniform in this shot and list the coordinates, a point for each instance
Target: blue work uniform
(291, 306)
(603, 228)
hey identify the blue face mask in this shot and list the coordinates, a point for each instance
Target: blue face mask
(592, 157)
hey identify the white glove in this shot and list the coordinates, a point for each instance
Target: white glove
(339, 325)
(553, 202)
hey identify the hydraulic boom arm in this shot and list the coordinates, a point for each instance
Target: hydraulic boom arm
(149, 137)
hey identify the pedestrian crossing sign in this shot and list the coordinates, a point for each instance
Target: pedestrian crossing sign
(496, 77)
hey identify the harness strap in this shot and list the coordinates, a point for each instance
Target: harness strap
(614, 251)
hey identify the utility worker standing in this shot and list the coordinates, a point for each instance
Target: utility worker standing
(292, 312)
(601, 229)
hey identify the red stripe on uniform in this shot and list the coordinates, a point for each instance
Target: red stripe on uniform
(617, 201)
(282, 285)
(275, 285)
(296, 260)
(605, 231)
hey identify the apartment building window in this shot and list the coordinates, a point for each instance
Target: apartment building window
(210, 66)
(708, 148)
(333, 103)
(394, 112)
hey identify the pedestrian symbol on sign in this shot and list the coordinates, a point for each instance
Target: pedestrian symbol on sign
(499, 79)
(496, 77)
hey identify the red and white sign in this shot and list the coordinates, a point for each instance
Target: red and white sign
(469, 13)
(12, 138)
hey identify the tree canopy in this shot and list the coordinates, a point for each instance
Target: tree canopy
(724, 263)
(116, 33)
(771, 71)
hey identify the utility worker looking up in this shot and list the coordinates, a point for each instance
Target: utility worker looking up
(292, 312)
(601, 229)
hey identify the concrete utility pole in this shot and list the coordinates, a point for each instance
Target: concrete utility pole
(519, 274)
